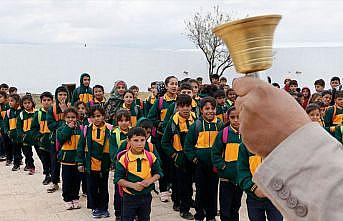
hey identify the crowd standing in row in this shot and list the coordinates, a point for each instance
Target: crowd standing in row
(183, 133)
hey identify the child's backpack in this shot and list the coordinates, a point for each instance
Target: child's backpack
(225, 137)
(126, 164)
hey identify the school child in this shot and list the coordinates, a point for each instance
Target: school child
(3, 136)
(136, 172)
(117, 137)
(313, 111)
(224, 158)
(322, 110)
(222, 106)
(259, 207)
(55, 119)
(195, 88)
(24, 131)
(327, 98)
(198, 144)
(157, 114)
(131, 106)
(339, 133)
(231, 96)
(41, 135)
(68, 136)
(12, 90)
(98, 97)
(151, 99)
(83, 93)
(293, 86)
(115, 102)
(222, 82)
(10, 128)
(172, 142)
(306, 94)
(82, 121)
(93, 157)
(4, 87)
(334, 114)
(137, 100)
(319, 85)
(315, 97)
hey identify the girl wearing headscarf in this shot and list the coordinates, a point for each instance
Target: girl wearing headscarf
(116, 100)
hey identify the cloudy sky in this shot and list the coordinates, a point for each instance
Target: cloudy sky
(135, 39)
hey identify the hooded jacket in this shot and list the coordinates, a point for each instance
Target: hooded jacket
(115, 102)
(82, 93)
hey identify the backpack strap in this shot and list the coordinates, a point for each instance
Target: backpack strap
(334, 112)
(8, 112)
(160, 103)
(117, 132)
(91, 103)
(225, 137)
(151, 147)
(21, 115)
(109, 126)
(40, 113)
(54, 112)
(150, 159)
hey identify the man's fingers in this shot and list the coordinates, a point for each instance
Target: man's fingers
(243, 85)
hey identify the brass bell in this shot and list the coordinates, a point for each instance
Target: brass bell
(250, 42)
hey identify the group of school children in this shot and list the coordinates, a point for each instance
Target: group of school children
(183, 133)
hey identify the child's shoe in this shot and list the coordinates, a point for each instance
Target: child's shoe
(105, 214)
(69, 205)
(53, 188)
(32, 171)
(15, 168)
(46, 180)
(76, 204)
(164, 197)
(96, 214)
(2, 158)
(8, 163)
(26, 168)
(187, 216)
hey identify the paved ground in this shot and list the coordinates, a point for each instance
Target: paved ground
(24, 198)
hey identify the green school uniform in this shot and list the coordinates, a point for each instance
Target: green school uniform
(247, 164)
(174, 136)
(225, 153)
(3, 108)
(221, 112)
(82, 93)
(69, 139)
(93, 151)
(10, 124)
(148, 104)
(95, 103)
(136, 169)
(333, 117)
(24, 131)
(148, 147)
(55, 119)
(135, 113)
(117, 137)
(200, 139)
(40, 130)
(339, 133)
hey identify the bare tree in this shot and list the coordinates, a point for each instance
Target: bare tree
(199, 31)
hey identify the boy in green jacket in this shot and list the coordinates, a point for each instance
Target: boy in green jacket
(172, 144)
(68, 136)
(224, 158)
(259, 207)
(84, 92)
(198, 144)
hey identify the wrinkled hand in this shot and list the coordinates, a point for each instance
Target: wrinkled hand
(268, 115)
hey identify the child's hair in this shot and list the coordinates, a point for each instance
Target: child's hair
(183, 100)
(96, 108)
(206, 100)
(338, 94)
(3, 94)
(16, 97)
(136, 131)
(223, 79)
(130, 92)
(46, 94)
(326, 92)
(320, 104)
(293, 82)
(320, 82)
(123, 113)
(4, 86)
(71, 110)
(98, 86)
(193, 81)
(153, 83)
(335, 79)
(78, 103)
(314, 96)
(167, 80)
(219, 93)
(276, 85)
(232, 108)
(209, 90)
(134, 87)
(12, 89)
(185, 86)
(312, 107)
(214, 76)
(146, 123)
(27, 98)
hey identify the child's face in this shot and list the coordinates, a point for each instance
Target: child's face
(315, 115)
(135, 91)
(81, 110)
(121, 89)
(98, 118)
(231, 95)
(195, 88)
(128, 98)
(339, 102)
(184, 110)
(305, 93)
(13, 92)
(220, 101)
(223, 82)
(293, 87)
(208, 112)
(4, 89)
(319, 88)
(137, 144)
(98, 94)
(46, 102)
(153, 90)
(226, 88)
(13, 103)
(148, 132)
(234, 119)
(318, 99)
(70, 118)
(172, 86)
(2, 99)
(327, 99)
(188, 92)
(62, 97)
(28, 105)
(215, 81)
(86, 81)
(334, 84)
(124, 123)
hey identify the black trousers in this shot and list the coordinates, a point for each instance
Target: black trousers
(27, 151)
(230, 196)
(166, 164)
(206, 182)
(70, 183)
(2, 146)
(117, 201)
(8, 147)
(84, 182)
(44, 157)
(55, 165)
(16, 147)
(183, 188)
(97, 194)
(258, 210)
(136, 206)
